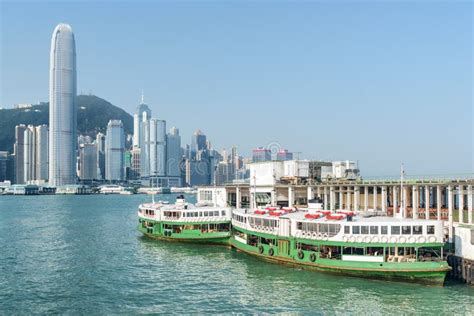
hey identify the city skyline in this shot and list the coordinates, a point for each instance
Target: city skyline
(363, 90)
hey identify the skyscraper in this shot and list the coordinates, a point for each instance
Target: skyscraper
(100, 142)
(114, 151)
(88, 159)
(62, 107)
(173, 153)
(198, 142)
(41, 160)
(19, 149)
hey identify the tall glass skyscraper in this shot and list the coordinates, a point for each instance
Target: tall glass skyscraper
(114, 150)
(62, 107)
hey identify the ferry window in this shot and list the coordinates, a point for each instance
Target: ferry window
(216, 213)
(356, 230)
(206, 213)
(184, 214)
(395, 230)
(347, 229)
(200, 213)
(417, 230)
(364, 230)
(384, 230)
(374, 230)
(223, 213)
(430, 229)
(406, 230)
(299, 225)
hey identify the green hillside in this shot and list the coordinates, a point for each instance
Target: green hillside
(92, 116)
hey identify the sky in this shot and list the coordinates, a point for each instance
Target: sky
(381, 83)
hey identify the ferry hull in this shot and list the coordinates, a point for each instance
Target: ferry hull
(429, 274)
(211, 238)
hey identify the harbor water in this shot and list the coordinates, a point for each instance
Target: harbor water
(83, 255)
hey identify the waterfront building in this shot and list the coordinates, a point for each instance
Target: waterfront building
(114, 151)
(6, 164)
(88, 162)
(100, 142)
(35, 154)
(261, 154)
(19, 148)
(135, 169)
(29, 154)
(62, 107)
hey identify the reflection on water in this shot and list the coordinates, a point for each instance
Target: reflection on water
(82, 254)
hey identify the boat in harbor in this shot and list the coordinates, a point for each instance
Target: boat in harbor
(344, 242)
(182, 221)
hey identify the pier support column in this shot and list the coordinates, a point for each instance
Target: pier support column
(438, 202)
(469, 204)
(291, 196)
(310, 194)
(384, 199)
(332, 198)
(366, 198)
(427, 202)
(340, 198)
(273, 196)
(395, 200)
(375, 198)
(356, 198)
(348, 199)
(414, 203)
(461, 203)
(450, 212)
(325, 198)
(238, 199)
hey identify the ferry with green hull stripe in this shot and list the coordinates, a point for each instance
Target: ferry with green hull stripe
(344, 243)
(185, 222)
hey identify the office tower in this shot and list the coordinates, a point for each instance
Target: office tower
(19, 150)
(88, 161)
(145, 147)
(198, 142)
(29, 154)
(114, 151)
(283, 155)
(135, 173)
(261, 154)
(161, 148)
(62, 107)
(3, 165)
(173, 150)
(143, 114)
(100, 144)
(42, 148)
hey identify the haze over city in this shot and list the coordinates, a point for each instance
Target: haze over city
(380, 84)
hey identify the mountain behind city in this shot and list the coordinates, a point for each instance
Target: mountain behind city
(93, 114)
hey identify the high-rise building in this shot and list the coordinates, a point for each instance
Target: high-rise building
(62, 107)
(88, 161)
(145, 147)
(100, 142)
(114, 151)
(4, 164)
(261, 154)
(135, 170)
(29, 154)
(143, 114)
(19, 152)
(42, 149)
(283, 155)
(198, 142)
(173, 149)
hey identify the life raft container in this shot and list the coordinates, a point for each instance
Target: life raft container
(336, 217)
(313, 216)
(260, 212)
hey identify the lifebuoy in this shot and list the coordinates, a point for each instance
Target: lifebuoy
(393, 239)
(315, 235)
(320, 235)
(325, 236)
(367, 239)
(270, 252)
(345, 238)
(353, 239)
(422, 239)
(300, 254)
(260, 249)
(384, 239)
(432, 238)
(412, 239)
(359, 238)
(312, 257)
(402, 239)
(375, 239)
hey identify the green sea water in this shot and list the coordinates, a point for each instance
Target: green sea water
(83, 255)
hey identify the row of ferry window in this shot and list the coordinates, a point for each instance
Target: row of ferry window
(256, 221)
(394, 230)
(239, 218)
(203, 213)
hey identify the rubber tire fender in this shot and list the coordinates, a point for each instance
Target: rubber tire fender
(260, 249)
(300, 255)
(271, 252)
(312, 257)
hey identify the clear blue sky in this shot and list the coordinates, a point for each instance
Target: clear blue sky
(378, 83)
